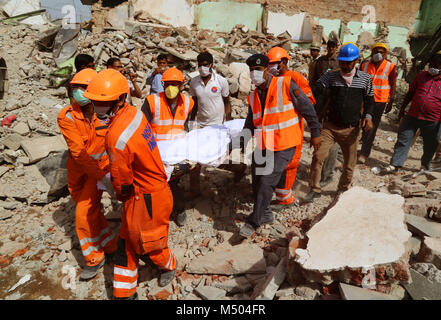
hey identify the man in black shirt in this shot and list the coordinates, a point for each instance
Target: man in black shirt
(342, 95)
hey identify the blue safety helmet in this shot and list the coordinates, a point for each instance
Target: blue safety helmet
(348, 52)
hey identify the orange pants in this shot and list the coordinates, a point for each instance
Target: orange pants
(93, 231)
(144, 231)
(284, 193)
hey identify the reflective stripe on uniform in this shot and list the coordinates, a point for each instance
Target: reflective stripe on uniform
(256, 115)
(386, 70)
(124, 285)
(179, 122)
(98, 155)
(381, 87)
(170, 260)
(159, 122)
(279, 92)
(101, 245)
(69, 116)
(279, 108)
(92, 240)
(186, 106)
(129, 131)
(157, 106)
(283, 198)
(125, 272)
(282, 125)
(283, 191)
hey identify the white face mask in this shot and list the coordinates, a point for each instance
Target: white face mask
(274, 69)
(101, 112)
(257, 77)
(377, 57)
(434, 71)
(204, 71)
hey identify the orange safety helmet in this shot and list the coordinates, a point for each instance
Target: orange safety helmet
(276, 54)
(107, 85)
(84, 76)
(172, 74)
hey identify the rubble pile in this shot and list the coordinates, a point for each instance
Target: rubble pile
(37, 216)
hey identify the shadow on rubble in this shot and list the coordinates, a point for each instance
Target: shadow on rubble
(222, 200)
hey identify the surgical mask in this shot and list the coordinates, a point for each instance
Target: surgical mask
(434, 71)
(204, 71)
(79, 98)
(377, 57)
(257, 77)
(101, 112)
(171, 92)
(274, 69)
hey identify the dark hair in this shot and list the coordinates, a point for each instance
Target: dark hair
(82, 60)
(436, 59)
(161, 57)
(111, 61)
(332, 43)
(205, 56)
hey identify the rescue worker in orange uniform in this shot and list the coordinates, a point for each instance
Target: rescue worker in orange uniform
(139, 180)
(278, 67)
(384, 78)
(168, 113)
(273, 116)
(87, 164)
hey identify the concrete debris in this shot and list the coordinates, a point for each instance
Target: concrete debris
(349, 292)
(431, 251)
(210, 293)
(229, 260)
(40, 148)
(235, 285)
(421, 288)
(268, 289)
(362, 235)
(423, 227)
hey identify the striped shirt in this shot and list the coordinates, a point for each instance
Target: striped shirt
(346, 103)
(425, 93)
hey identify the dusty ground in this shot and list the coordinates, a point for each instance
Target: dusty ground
(40, 240)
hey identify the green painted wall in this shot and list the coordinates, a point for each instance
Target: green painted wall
(355, 28)
(223, 16)
(429, 17)
(397, 37)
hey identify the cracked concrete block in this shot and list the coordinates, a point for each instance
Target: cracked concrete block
(430, 251)
(422, 288)
(349, 292)
(39, 148)
(228, 260)
(423, 227)
(364, 230)
(267, 290)
(210, 293)
(12, 141)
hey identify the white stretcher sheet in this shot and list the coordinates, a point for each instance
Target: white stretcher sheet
(205, 146)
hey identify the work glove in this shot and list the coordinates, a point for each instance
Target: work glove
(105, 184)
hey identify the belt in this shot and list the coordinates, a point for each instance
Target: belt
(349, 125)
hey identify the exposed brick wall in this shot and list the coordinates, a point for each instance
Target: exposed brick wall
(395, 12)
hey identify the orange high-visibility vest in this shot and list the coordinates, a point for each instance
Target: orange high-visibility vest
(278, 129)
(380, 79)
(302, 83)
(164, 125)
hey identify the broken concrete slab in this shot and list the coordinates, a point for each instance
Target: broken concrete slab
(423, 289)
(235, 285)
(3, 170)
(12, 141)
(421, 207)
(31, 186)
(21, 128)
(39, 148)
(229, 260)
(423, 227)
(431, 251)
(414, 190)
(210, 293)
(363, 229)
(268, 288)
(349, 292)
(309, 291)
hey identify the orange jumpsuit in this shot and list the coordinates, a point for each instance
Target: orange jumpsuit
(283, 190)
(139, 180)
(86, 165)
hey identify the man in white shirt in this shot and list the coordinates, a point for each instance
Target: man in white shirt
(211, 94)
